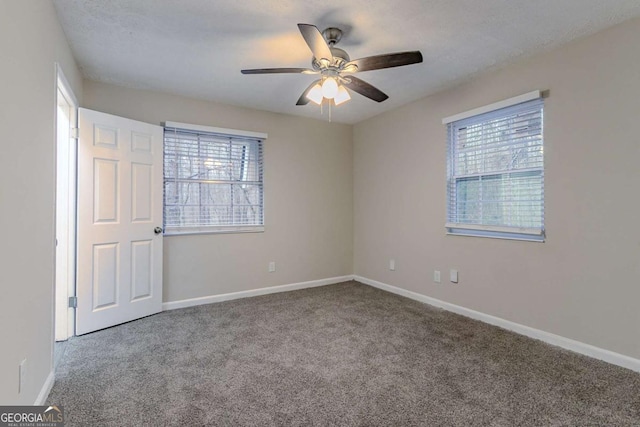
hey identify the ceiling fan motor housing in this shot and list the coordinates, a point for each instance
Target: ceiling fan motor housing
(332, 35)
(340, 57)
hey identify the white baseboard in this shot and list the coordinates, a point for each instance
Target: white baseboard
(46, 389)
(557, 340)
(172, 305)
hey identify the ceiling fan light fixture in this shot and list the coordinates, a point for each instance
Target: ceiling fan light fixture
(335, 67)
(329, 88)
(315, 94)
(342, 96)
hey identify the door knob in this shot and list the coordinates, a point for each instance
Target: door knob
(157, 230)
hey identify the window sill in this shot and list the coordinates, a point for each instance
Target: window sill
(491, 234)
(209, 230)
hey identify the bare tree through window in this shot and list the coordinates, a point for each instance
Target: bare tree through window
(496, 169)
(212, 180)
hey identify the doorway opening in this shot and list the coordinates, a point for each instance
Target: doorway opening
(65, 226)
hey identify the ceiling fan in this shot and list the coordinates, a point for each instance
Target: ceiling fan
(336, 68)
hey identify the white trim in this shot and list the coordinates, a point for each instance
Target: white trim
(46, 389)
(62, 85)
(223, 229)
(557, 340)
(172, 305)
(494, 235)
(66, 87)
(492, 107)
(211, 129)
(518, 230)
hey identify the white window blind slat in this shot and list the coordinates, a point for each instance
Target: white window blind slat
(212, 182)
(495, 173)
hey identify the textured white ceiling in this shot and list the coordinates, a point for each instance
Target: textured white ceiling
(197, 48)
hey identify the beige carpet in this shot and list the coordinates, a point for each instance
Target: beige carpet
(343, 355)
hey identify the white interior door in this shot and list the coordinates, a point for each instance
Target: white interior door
(119, 207)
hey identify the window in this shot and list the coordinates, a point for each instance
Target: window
(212, 180)
(495, 170)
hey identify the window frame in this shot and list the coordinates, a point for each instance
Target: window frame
(491, 112)
(257, 137)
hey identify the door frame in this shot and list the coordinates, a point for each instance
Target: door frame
(63, 315)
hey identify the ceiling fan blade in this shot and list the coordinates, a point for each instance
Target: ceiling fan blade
(364, 89)
(388, 60)
(315, 41)
(303, 100)
(279, 71)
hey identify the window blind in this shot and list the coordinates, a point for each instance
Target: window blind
(496, 173)
(213, 182)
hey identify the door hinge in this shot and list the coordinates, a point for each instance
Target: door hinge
(73, 302)
(75, 133)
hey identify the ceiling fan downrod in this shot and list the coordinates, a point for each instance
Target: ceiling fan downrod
(332, 35)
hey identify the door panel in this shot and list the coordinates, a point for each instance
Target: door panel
(141, 271)
(119, 205)
(141, 192)
(105, 192)
(105, 275)
(105, 136)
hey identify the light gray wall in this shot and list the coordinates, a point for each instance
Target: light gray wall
(584, 282)
(31, 40)
(308, 198)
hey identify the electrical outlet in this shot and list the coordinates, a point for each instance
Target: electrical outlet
(392, 264)
(436, 276)
(453, 276)
(22, 375)
(272, 266)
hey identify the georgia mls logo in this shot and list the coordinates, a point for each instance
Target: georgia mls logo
(31, 416)
(55, 413)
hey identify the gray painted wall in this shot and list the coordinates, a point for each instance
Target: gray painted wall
(583, 282)
(31, 41)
